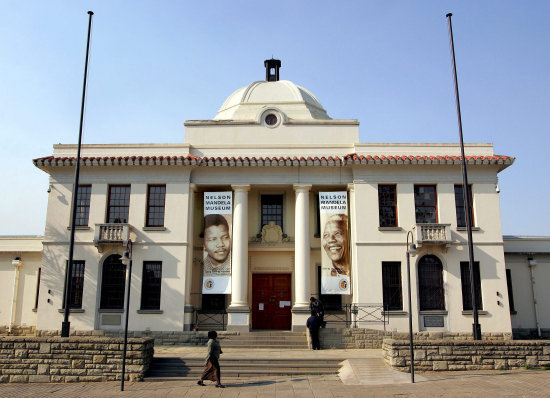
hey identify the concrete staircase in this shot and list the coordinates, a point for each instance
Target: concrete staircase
(173, 368)
(268, 339)
(263, 364)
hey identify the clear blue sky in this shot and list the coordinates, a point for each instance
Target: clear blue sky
(155, 64)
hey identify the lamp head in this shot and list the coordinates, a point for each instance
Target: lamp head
(412, 250)
(126, 258)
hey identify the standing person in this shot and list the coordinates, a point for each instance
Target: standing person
(313, 324)
(212, 366)
(317, 306)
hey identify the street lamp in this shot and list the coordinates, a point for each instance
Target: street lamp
(126, 259)
(411, 251)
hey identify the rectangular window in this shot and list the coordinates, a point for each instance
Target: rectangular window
(83, 205)
(331, 302)
(272, 209)
(391, 285)
(213, 302)
(425, 203)
(37, 288)
(118, 205)
(466, 286)
(510, 291)
(150, 286)
(460, 206)
(77, 284)
(156, 199)
(387, 205)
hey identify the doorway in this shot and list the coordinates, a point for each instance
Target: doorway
(271, 301)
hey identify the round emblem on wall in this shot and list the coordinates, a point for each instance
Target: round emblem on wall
(343, 284)
(209, 284)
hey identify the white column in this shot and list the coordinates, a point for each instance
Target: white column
(188, 308)
(301, 254)
(239, 310)
(353, 247)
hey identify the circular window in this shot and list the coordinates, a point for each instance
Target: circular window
(271, 119)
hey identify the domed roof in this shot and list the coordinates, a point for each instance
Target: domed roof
(248, 102)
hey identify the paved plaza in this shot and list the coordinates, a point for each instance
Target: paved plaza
(364, 375)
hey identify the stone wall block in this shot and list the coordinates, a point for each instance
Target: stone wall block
(39, 379)
(532, 361)
(419, 354)
(45, 348)
(21, 353)
(516, 363)
(19, 378)
(99, 359)
(78, 364)
(43, 369)
(440, 365)
(501, 364)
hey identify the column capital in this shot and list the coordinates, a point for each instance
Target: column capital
(240, 187)
(351, 186)
(302, 187)
(193, 187)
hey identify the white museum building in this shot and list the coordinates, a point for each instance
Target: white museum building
(274, 155)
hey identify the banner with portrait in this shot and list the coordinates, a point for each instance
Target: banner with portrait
(335, 258)
(218, 211)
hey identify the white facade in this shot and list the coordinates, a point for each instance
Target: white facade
(20, 259)
(297, 153)
(528, 269)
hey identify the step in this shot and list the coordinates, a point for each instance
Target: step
(176, 368)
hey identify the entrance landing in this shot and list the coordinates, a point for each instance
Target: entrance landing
(357, 366)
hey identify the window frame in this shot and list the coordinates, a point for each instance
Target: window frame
(77, 284)
(381, 206)
(466, 286)
(460, 209)
(282, 212)
(151, 290)
(510, 291)
(160, 209)
(391, 288)
(427, 292)
(417, 206)
(108, 290)
(126, 205)
(83, 205)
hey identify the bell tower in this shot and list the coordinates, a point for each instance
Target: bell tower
(272, 70)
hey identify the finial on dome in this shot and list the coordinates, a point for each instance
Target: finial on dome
(272, 69)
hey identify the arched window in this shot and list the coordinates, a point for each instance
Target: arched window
(430, 281)
(113, 280)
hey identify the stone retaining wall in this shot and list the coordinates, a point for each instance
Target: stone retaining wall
(372, 338)
(160, 338)
(466, 355)
(77, 358)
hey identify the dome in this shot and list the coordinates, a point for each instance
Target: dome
(249, 102)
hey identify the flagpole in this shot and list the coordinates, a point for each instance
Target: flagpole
(66, 325)
(466, 192)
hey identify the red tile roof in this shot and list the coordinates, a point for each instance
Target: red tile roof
(281, 161)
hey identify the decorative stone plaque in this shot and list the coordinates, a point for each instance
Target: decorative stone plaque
(435, 321)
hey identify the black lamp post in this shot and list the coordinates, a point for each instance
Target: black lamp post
(66, 325)
(411, 250)
(466, 192)
(127, 261)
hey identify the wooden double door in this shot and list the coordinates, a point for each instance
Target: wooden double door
(271, 301)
